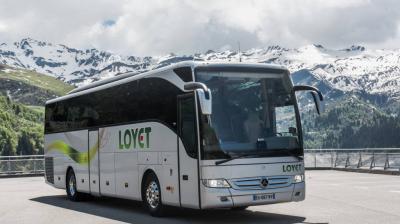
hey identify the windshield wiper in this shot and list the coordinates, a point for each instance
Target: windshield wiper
(288, 152)
(232, 158)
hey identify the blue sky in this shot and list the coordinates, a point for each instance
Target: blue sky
(153, 27)
(109, 23)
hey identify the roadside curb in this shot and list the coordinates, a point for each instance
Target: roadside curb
(385, 172)
(318, 168)
(21, 175)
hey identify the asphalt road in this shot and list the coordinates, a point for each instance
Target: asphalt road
(332, 197)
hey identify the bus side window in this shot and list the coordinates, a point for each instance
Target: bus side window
(187, 125)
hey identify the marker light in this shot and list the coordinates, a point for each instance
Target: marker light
(298, 178)
(216, 183)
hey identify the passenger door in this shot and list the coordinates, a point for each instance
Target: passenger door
(188, 152)
(93, 157)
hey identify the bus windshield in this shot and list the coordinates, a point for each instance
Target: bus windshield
(253, 114)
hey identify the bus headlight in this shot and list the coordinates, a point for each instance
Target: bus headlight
(216, 183)
(298, 178)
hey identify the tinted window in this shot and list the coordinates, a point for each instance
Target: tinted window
(187, 124)
(157, 100)
(185, 73)
(145, 99)
(55, 117)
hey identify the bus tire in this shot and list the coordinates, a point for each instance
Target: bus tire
(71, 189)
(152, 195)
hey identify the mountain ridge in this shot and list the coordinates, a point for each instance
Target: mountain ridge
(371, 74)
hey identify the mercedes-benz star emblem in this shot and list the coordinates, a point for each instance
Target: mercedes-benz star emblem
(264, 183)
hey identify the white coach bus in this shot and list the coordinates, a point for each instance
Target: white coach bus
(193, 134)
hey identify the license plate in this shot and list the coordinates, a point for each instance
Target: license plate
(259, 197)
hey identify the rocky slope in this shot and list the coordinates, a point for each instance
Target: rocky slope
(29, 87)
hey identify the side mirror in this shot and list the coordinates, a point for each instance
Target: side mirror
(315, 93)
(204, 95)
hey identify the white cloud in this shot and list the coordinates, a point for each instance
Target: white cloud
(151, 27)
(3, 27)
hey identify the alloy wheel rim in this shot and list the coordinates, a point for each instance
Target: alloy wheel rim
(153, 194)
(71, 185)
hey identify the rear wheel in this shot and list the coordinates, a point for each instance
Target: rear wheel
(72, 192)
(152, 196)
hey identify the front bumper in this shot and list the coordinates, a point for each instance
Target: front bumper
(229, 197)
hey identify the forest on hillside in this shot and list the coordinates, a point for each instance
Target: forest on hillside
(21, 128)
(351, 124)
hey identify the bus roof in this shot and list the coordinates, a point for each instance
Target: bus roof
(130, 76)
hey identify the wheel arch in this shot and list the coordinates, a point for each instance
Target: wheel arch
(148, 172)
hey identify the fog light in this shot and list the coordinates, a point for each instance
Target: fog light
(298, 178)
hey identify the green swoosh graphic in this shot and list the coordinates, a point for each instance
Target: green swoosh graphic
(79, 157)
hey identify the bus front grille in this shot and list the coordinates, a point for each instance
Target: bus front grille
(256, 183)
(49, 169)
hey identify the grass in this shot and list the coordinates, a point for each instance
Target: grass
(36, 79)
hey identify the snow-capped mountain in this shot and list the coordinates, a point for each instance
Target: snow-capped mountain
(68, 64)
(353, 69)
(374, 74)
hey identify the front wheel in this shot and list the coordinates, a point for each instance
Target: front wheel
(72, 192)
(152, 196)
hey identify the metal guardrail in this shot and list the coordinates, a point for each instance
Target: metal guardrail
(16, 165)
(384, 159)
